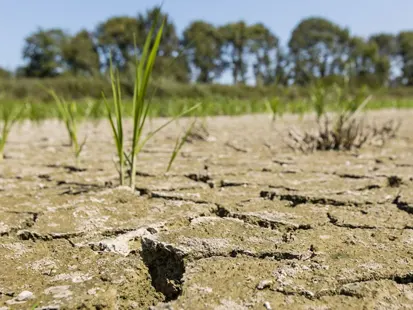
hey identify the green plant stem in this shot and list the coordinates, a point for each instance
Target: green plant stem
(3, 139)
(179, 144)
(10, 116)
(148, 137)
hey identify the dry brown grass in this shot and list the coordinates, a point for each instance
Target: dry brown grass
(342, 134)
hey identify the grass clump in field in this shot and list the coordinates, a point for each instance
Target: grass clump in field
(345, 129)
(180, 141)
(69, 113)
(9, 115)
(199, 132)
(196, 131)
(275, 107)
(140, 106)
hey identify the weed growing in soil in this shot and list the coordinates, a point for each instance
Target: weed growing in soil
(346, 130)
(180, 141)
(9, 114)
(140, 105)
(275, 106)
(199, 132)
(319, 100)
(69, 114)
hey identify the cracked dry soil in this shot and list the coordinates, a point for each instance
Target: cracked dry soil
(235, 225)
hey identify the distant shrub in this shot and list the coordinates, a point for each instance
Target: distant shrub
(166, 89)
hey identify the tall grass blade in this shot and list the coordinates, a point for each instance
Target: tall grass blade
(70, 115)
(10, 114)
(144, 67)
(116, 119)
(140, 105)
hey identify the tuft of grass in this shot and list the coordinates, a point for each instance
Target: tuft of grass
(275, 107)
(140, 105)
(319, 100)
(9, 115)
(69, 114)
(35, 306)
(115, 118)
(200, 132)
(344, 131)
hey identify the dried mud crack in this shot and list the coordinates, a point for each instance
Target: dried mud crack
(296, 199)
(26, 219)
(333, 220)
(402, 205)
(229, 227)
(34, 236)
(349, 288)
(167, 263)
(260, 221)
(166, 267)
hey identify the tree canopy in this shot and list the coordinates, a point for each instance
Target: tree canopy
(317, 49)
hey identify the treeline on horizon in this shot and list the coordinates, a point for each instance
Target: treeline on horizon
(317, 50)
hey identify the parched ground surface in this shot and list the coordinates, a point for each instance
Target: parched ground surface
(240, 222)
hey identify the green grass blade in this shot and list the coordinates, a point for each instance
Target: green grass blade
(179, 144)
(151, 134)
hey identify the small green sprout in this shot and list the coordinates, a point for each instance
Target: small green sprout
(180, 141)
(140, 105)
(70, 115)
(9, 114)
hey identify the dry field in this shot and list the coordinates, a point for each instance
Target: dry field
(240, 222)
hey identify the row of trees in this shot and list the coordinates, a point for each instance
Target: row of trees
(317, 48)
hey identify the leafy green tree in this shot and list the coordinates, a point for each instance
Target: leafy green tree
(202, 44)
(282, 72)
(115, 38)
(263, 45)
(235, 49)
(170, 63)
(173, 68)
(43, 53)
(387, 44)
(388, 49)
(405, 40)
(317, 47)
(80, 54)
(361, 57)
(366, 63)
(382, 71)
(170, 40)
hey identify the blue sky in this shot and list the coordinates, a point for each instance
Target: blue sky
(18, 18)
